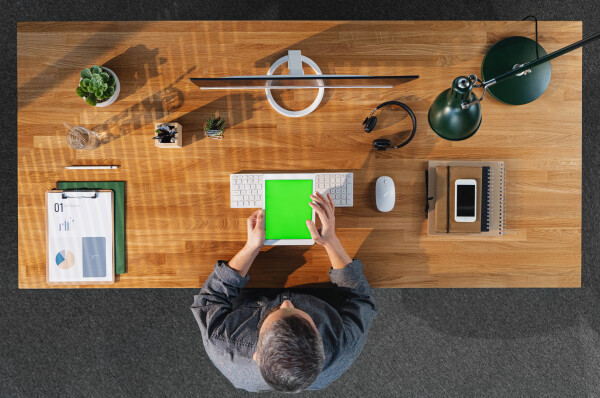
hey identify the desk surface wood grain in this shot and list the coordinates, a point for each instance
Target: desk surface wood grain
(178, 220)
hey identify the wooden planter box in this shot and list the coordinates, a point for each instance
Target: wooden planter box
(178, 137)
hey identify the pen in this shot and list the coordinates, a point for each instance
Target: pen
(91, 167)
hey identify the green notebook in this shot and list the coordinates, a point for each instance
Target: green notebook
(118, 187)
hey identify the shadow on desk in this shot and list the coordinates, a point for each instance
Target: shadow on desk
(234, 108)
(41, 84)
(156, 107)
(152, 108)
(272, 267)
(397, 232)
(135, 67)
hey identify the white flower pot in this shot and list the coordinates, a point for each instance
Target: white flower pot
(117, 90)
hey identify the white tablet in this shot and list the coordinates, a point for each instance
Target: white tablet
(286, 205)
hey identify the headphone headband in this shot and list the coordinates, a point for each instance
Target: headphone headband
(385, 104)
(379, 144)
(390, 103)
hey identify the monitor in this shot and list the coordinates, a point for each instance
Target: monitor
(299, 82)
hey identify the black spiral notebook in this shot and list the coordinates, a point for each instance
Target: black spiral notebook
(491, 213)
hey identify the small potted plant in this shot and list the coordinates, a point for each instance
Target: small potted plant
(98, 86)
(214, 128)
(168, 135)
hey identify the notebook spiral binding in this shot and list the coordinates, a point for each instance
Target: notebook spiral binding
(502, 201)
(497, 185)
(490, 202)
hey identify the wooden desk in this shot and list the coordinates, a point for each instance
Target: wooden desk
(178, 217)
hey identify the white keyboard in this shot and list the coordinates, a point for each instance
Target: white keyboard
(246, 190)
(339, 185)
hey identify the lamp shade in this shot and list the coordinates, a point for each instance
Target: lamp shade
(446, 116)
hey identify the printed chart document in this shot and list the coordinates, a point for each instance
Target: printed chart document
(79, 237)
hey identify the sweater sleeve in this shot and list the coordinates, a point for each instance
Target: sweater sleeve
(358, 309)
(214, 302)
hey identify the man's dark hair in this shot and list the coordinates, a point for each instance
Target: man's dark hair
(290, 354)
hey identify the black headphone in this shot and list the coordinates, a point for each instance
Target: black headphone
(382, 144)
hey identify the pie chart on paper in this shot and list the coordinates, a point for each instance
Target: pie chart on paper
(65, 259)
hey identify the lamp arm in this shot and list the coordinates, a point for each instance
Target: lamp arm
(524, 67)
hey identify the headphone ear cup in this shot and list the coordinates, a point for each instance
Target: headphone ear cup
(381, 144)
(370, 123)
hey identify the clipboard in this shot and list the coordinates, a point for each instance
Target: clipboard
(118, 187)
(80, 237)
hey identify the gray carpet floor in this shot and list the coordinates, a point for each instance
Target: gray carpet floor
(454, 342)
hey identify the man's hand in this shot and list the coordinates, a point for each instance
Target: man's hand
(256, 230)
(242, 261)
(325, 209)
(326, 236)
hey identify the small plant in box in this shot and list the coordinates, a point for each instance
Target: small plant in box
(214, 128)
(168, 135)
(98, 86)
(165, 134)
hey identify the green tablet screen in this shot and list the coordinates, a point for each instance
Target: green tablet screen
(287, 208)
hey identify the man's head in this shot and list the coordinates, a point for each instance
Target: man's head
(290, 350)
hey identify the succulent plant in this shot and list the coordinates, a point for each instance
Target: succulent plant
(95, 85)
(214, 128)
(165, 134)
(213, 123)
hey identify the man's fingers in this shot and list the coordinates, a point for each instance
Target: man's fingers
(251, 221)
(331, 202)
(323, 203)
(260, 218)
(328, 203)
(314, 234)
(320, 211)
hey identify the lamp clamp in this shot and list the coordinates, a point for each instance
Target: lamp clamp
(524, 73)
(473, 81)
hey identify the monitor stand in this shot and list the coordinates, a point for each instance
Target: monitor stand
(295, 60)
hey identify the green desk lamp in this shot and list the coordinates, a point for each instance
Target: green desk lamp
(456, 113)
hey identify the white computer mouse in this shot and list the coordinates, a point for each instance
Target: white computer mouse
(385, 194)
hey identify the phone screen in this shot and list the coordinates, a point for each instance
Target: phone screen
(465, 201)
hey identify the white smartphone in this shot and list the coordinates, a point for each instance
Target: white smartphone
(465, 200)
